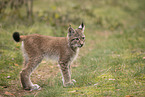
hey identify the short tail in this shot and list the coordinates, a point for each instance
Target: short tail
(16, 36)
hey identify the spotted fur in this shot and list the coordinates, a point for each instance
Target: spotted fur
(63, 49)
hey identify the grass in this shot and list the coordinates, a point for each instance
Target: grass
(110, 64)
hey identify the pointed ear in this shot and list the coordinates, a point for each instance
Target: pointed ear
(70, 30)
(82, 27)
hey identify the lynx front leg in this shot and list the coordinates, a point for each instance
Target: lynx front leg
(26, 72)
(66, 75)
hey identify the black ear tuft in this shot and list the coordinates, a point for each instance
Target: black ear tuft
(82, 25)
(69, 25)
(16, 36)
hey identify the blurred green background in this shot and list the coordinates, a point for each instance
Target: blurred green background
(112, 62)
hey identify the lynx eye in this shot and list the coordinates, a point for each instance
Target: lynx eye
(83, 37)
(72, 39)
(77, 38)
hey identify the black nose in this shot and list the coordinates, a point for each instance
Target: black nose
(81, 45)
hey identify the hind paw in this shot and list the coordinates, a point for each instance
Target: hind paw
(35, 87)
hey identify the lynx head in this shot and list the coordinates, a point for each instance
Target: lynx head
(76, 37)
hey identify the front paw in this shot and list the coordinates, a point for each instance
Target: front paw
(73, 80)
(69, 84)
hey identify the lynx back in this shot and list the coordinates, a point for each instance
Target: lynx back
(63, 49)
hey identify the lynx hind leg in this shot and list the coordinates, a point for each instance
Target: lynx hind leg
(25, 55)
(26, 72)
(66, 75)
(25, 59)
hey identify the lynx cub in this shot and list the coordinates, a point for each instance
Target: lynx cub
(63, 49)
